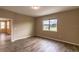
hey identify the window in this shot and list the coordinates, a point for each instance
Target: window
(50, 25)
(46, 25)
(2, 25)
(7, 24)
(53, 25)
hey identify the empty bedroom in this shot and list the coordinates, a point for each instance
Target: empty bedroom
(39, 29)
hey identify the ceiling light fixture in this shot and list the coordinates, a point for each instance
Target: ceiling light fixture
(35, 7)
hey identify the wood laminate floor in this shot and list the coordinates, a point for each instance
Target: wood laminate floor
(35, 44)
(5, 42)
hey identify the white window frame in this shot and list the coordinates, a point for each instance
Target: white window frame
(49, 26)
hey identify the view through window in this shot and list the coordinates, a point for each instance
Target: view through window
(2, 25)
(8, 25)
(50, 25)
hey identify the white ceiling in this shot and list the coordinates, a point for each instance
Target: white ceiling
(44, 10)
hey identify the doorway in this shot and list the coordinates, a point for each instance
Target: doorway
(5, 29)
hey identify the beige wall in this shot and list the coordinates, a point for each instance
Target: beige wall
(23, 26)
(68, 26)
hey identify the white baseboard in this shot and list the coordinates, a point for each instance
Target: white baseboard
(60, 40)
